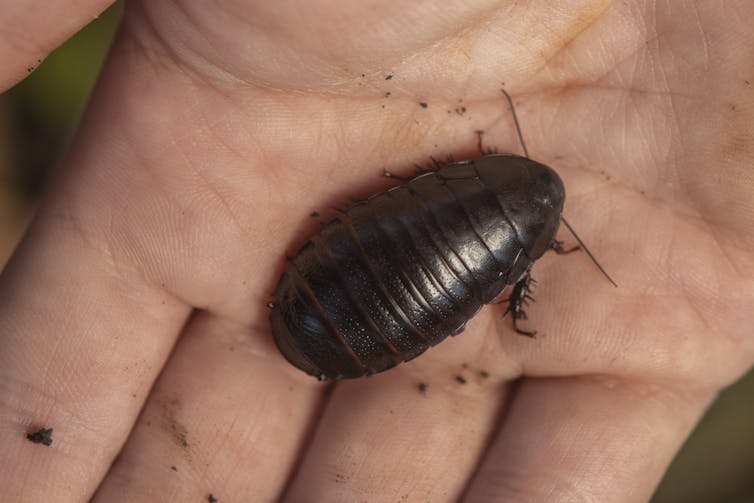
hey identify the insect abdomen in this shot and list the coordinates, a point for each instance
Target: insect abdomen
(396, 274)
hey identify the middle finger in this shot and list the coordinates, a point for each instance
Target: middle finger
(411, 434)
(227, 417)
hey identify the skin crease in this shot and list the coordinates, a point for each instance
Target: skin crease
(133, 318)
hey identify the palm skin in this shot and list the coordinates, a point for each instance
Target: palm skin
(213, 135)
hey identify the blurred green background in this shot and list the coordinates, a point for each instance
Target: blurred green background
(39, 116)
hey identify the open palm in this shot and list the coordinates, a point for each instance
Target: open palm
(133, 315)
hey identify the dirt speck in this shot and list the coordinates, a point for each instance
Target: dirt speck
(179, 433)
(388, 76)
(461, 379)
(484, 373)
(174, 468)
(211, 498)
(387, 94)
(422, 388)
(42, 436)
(423, 104)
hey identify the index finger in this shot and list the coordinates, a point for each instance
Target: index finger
(84, 331)
(32, 29)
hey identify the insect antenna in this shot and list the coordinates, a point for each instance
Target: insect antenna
(526, 153)
(581, 243)
(515, 121)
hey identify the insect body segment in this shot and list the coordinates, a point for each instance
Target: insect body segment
(399, 272)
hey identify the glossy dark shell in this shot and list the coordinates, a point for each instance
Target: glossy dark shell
(402, 270)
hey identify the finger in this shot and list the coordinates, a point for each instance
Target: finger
(83, 332)
(227, 417)
(412, 434)
(80, 344)
(30, 30)
(585, 439)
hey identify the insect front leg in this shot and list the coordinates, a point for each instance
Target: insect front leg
(519, 298)
(557, 246)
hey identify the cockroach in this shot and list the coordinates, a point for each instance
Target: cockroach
(403, 269)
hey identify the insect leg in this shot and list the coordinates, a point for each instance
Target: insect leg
(520, 296)
(388, 174)
(557, 246)
(437, 164)
(420, 170)
(480, 147)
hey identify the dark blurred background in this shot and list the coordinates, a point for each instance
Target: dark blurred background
(39, 116)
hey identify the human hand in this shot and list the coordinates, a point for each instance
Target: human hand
(133, 318)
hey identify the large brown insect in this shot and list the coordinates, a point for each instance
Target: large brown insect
(402, 270)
